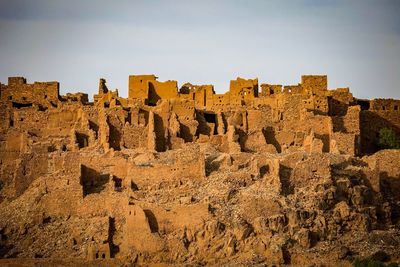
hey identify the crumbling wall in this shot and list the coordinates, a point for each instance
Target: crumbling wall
(187, 163)
(314, 84)
(30, 166)
(29, 119)
(20, 92)
(243, 89)
(106, 97)
(63, 192)
(270, 89)
(351, 122)
(220, 101)
(258, 119)
(138, 85)
(382, 113)
(317, 103)
(116, 121)
(61, 122)
(162, 90)
(199, 93)
(293, 89)
(134, 136)
(147, 87)
(185, 109)
(339, 101)
(346, 132)
(203, 95)
(80, 98)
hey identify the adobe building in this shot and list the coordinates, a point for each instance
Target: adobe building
(264, 173)
(283, 115)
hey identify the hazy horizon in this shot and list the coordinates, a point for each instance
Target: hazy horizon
(356, 43)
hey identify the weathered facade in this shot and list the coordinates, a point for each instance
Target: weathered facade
(184, 175)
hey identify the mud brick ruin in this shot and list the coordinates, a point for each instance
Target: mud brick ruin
(263, 174)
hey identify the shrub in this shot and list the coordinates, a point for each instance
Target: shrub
(368, 262)
(387, 139)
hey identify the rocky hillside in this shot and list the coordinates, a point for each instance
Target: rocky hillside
(198, 206)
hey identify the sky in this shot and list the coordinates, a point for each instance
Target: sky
(77, 42)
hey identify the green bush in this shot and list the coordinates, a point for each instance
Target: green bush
(387, 139)
(368, 262)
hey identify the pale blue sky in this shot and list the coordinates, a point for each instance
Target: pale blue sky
(356, 43)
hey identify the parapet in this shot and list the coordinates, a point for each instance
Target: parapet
(147, 87)
(16, 80)
(270, 89)
(76, 97)
(314, 84)
(383, 105)
(19, 90)
(138, 85)
(243, 87)
(293, 89)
